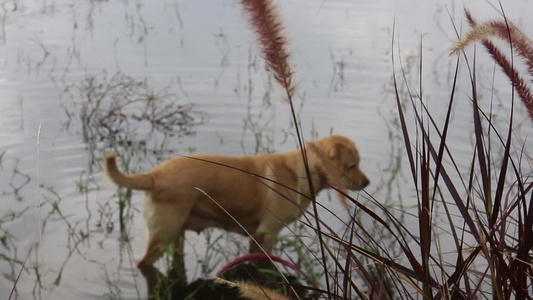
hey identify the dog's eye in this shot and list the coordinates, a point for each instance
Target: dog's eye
(351, 167)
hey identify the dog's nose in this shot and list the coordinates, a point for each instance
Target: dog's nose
(365, 182)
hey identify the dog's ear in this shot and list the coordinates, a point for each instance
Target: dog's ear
(327, 160)
(334, 152)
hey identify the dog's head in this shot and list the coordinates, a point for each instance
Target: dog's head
(341, 152)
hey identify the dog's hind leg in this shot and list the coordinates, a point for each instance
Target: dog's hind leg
(154, 250)
(177, 271)
(165, 228)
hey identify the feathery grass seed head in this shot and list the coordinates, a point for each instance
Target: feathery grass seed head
(265, 19)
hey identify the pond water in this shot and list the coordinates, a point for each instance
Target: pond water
(60, 217)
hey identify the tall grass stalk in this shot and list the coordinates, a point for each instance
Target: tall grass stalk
(488, 208)
(124, 196)
(269, 31)
(489, 211)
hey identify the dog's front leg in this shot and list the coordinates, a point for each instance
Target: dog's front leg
(262, 242)
(266, 235)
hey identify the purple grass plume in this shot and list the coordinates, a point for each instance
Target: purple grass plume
(508, 32)
(267, 24)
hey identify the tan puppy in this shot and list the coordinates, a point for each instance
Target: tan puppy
(263, 193)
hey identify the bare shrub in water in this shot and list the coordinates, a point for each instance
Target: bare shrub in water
(122, 110)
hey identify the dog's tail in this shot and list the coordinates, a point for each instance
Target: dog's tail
(134, 181)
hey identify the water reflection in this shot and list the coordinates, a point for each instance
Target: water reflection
(90, 72)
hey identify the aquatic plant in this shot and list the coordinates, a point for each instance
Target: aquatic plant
(124, 112)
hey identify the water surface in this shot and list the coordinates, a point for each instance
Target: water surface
(59, 213)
